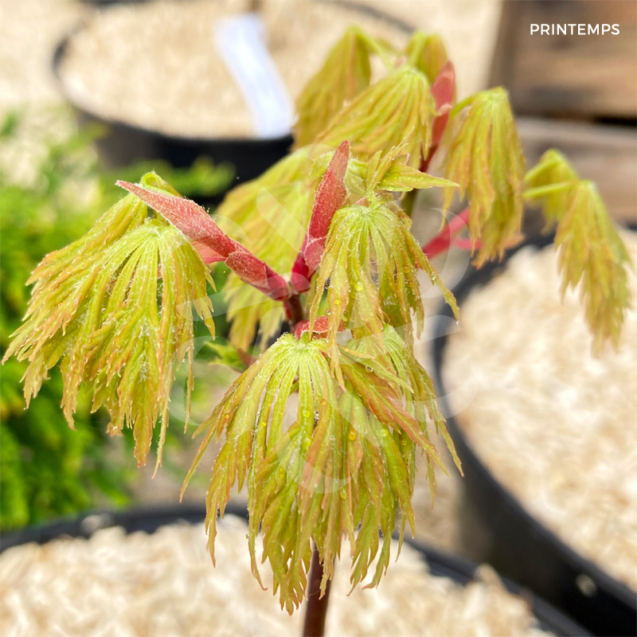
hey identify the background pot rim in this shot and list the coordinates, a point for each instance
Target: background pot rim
(56, 62)
(441, 563)
(246, 141)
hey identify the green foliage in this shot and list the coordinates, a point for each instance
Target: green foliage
(97, 308)
(345, 73)
(427, 53)
(486, 159)
(49, 470)
(554, 176)
(344, 466)
(391, 172)
(371, 261)
(203, 179)
(591, 252)
(398, 109)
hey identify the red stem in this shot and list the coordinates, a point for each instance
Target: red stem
(447, 236)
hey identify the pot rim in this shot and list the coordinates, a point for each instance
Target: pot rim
(61, 48)
(441, 563)
(56, 62)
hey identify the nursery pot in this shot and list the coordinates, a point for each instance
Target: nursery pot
(149, 520)
(123, 143)
(510, 538)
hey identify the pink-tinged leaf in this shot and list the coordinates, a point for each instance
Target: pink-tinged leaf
(331, 193)
(210, 241)
(442, 90)
(330, 196)
(321, 327)
(447, 236)
(186, 215)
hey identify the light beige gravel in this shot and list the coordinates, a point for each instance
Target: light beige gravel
(155, 64)
(164, 584)
(555, 424)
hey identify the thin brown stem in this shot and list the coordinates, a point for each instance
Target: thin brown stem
(316, 607)
(294, 310)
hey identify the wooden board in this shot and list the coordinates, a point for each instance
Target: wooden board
(569, 75)
(605, 154)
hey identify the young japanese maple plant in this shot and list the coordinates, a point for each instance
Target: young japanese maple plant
(321, 243)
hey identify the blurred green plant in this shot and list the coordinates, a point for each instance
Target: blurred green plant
(51, 191)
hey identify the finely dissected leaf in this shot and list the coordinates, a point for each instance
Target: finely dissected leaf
(274, 462)
(388, 402)
(330, 196)
(344, 466)
(486, 159)
(548, 183)
(420, 401)
(591, 252)
(391, 172)
(427, 53)
(381, 394)
(344, 74)
(371, 261)
(398, 108)
(99, 308)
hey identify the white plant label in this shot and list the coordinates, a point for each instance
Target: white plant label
(240, 43)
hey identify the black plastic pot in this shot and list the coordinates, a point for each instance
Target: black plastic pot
(442, 564)
(123, 143)
(502, 532)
